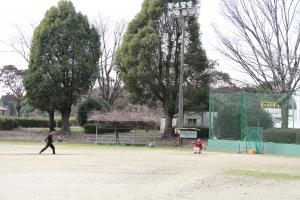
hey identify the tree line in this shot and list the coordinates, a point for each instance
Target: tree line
(66, 53)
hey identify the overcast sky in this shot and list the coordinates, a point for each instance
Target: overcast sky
(18, 13)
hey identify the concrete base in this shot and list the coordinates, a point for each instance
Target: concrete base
(268, 147)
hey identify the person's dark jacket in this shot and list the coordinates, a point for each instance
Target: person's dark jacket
(49, 139)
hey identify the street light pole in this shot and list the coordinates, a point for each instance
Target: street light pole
(181, 10)
(180, 106)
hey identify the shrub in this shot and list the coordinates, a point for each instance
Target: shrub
(88, 105)
(109, 127)
(137, 125)
(90, 128)
(281, 135)
(8, 123)
(32, 122)
(298, 138)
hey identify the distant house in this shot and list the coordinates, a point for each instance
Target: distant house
(3, 110)
(190, 119)
(275, 111)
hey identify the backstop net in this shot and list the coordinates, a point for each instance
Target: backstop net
(232, 114)
(254, 139)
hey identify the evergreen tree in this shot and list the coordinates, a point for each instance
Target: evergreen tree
(149, 58)
(63, 59)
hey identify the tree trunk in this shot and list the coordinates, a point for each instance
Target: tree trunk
(18, 108)
(284, 105)
(168, 132)
(65, 125)
(117, 133)
(52, 124)
(285, 115)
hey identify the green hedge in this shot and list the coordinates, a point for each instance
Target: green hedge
(109, 127)
(90, 128)
(280, 135)
(104, 128)
(297, 138)
(8, 123)
(32, 122)
(90, 104)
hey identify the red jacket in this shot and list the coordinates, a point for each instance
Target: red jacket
(198, 144)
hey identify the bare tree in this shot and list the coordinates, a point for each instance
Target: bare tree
(9, 74)
(265, 43)
(108, 80)
(12, 79)
(20, 44)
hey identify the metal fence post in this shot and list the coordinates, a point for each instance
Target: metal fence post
(242, 113)
(96, 133)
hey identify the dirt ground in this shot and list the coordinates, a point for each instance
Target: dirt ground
(133, 173)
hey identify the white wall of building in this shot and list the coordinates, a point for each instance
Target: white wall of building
(294, 114)
(202, 119)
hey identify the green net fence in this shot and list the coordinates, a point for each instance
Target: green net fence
(232, 114)
(254, 139)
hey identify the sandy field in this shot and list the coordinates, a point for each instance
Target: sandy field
(139, 173)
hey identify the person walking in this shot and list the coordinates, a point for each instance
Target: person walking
(49, 140)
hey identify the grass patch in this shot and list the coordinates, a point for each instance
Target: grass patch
(77, 129)
(34, 129)
(262, 175)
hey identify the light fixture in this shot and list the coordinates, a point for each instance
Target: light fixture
(177, 12)
(184, 12)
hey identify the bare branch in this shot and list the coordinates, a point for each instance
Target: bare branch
(266, 46)
(21, 45)
(108, 81)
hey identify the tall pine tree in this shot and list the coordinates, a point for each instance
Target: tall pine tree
(63, 60)
(149, 58)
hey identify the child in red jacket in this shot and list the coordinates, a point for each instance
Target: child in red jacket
(198, 146)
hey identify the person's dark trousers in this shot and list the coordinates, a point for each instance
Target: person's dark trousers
(48, 145)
